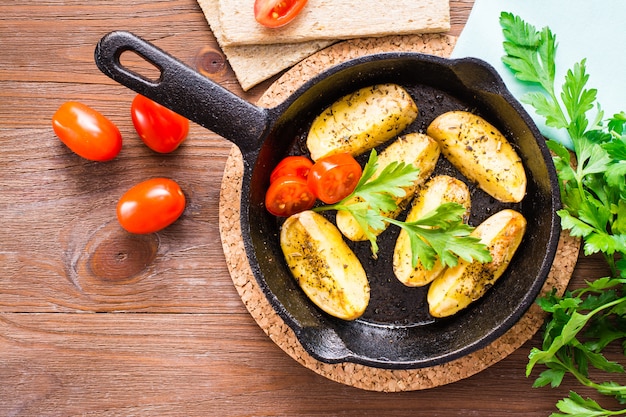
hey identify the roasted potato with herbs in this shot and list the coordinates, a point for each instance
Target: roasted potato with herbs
(361, 121)
(438, 190)
(465, 283)
(481, 153)
(414, 148)
(326, 269)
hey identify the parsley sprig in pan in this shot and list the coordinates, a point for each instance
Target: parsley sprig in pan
(440, 234)
(593, 191)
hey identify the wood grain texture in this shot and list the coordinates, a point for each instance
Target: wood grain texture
(94, 322)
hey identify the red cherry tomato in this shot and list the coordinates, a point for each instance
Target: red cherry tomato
(276, 13)
(161, 129)
(288, 195)
(334, 177)
(292, 166)
(150, 206)
(87, 132)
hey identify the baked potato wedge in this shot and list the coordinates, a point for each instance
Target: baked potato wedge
(362, 120)
(414, 148)
(481, 153)
(437, 191)
(326, 269)
(465, 283)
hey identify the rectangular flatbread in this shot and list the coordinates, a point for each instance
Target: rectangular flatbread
(334, 19)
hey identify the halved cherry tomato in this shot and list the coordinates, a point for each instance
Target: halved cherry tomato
(334, 177)
(276, 13)
(161, 129)
(288, 195)
(150, 206)
(87, 132)
(293, 166)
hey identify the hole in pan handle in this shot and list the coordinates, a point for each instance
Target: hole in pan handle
(183, 90)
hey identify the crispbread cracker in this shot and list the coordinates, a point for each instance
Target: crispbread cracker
(253, 64)
(334, 19)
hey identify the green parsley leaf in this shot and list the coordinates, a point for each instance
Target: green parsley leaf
(381, 192)
(531, 56)
(577, 406)
(441, 234)
(552, 377)
(529, 52)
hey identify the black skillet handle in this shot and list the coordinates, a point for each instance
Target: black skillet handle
(184, 90)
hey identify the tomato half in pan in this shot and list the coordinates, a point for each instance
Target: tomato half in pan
(334, 177)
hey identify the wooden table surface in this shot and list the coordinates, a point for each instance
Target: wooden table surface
(171, 337)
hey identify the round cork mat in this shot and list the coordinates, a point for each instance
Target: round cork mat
(356, 375)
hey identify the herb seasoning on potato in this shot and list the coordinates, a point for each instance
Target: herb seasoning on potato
(465, 283)
(361, 121)
(481, 153)
(326, 269)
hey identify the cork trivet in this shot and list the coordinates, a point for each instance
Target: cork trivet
(356, 375)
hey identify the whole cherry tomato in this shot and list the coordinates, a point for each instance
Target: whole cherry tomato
(87, 132)
(334, 177)
(150, 206)
(161, 129)
(288, 195)
(293, 166)
(276, 13)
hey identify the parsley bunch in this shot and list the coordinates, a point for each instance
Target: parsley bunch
(593, 191)
(440, 234)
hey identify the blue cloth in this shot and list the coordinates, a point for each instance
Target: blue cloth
(591, 29)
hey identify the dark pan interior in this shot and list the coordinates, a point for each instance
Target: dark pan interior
(396, 331)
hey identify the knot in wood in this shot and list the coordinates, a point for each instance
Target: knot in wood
(210, 62)
(122, 256)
